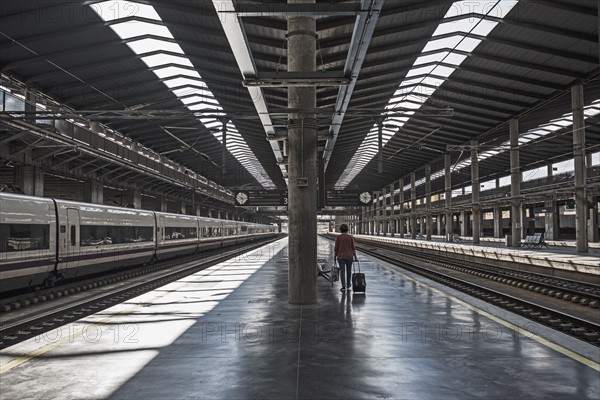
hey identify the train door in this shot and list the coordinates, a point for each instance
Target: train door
(72, 243)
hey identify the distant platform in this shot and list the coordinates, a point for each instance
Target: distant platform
(558, 257)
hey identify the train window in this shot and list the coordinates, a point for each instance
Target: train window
(99, 235)
(172, 233)
(22, 237)
(63, 229)
(73, 238)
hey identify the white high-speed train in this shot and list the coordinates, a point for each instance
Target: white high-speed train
(43, 239)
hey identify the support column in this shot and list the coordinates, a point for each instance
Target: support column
(402, 222)
(593, 235)
(413, 206)
(428, 222)
(392, 217)
(551, 220)
(438, 223)
(463, 223)
(134, 199)
(448, 196)
(580, 170)
(161, 204)
(476, 209)
(515, 184)
(30, 104)
(28, 178)
(302, 162)
(497, 221)
(363, 219)
(93, 192)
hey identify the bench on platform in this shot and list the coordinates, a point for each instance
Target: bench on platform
(324, 270)
(535, 241)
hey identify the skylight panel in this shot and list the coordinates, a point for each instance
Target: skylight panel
(444, 71)
(435, 57)
(469, 25)
(454, 59)
(468, 44)
(483, 27)
(442, 43)
(419, 71)
(127, 30)
(148, 45)
(118, 9)
(563, 122)
(407, 104)
(163, 59)
(176, 82)
(194, 99)
(190, 89)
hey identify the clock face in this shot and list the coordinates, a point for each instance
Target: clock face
(365, 197)
(241, 198)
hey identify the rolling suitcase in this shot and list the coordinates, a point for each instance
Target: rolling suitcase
(359, 282)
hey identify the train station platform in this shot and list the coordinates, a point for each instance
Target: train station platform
(228, 332)
(557, 256)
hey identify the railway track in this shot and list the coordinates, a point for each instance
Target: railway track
(581, 293)
(569, 322)
(22, 327)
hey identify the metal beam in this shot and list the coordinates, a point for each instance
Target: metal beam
(279, 79)
(294, 10)
(236, 37)
(359, 44)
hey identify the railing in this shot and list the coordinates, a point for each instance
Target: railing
(111, 143)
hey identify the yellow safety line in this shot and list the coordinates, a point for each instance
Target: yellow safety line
(577, 357)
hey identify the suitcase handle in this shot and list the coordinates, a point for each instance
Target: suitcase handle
(353, 268)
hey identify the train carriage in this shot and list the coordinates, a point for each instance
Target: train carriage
(211, 233)
(95, 238)
(176, 234)
(42, 240)
(27, 240)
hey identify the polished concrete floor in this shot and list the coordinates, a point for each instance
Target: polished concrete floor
(229, 333)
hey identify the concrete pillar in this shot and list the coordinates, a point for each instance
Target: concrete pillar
(448, 196)
(524, 221)
(438, 223)
(463, 223)
(428, 222)
(392, 219)
(30, 182)
(161, 204)
(133, 199)
(515, 184)
(30, 100)
(476, 209)
(401, 222)
(93, 192)
(302, 162)
(38, 182)
(198, 211)
(27, 177)
(593, 235)
(497, 221)
(551, 220)
(581, 213)
(413, 206)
